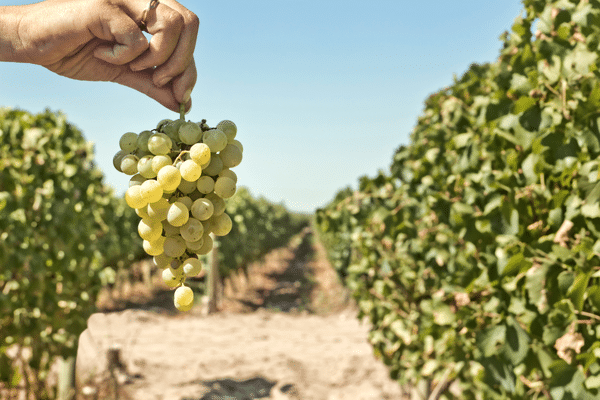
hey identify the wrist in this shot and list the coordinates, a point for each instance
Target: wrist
(11, 45)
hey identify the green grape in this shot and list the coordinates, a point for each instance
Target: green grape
(222, 225)
(142, 213)
(150, 230)
(159, 209)
(238, 144)
(186, 187)
(187, 201)
(205, 184)
(200, 152)
(118, 158)
(174, 246)
(129, 164)
(207, 244)
(142, 140)
(228, 128)
(169, 229)
(136, 180)
(215, 139)
(184, 295)
(128, 142)
(178, 214)
(173, 278)
(181, 307)
(159, 144)
(162, 261)
(229, 173)
(169, 178)
(172, 129)
(231, 156)
(154, 248)
(215, 166)
(192, 267)
(151, 191)
(144, 167)
(158, 162)
(224, 187)
(194, 246)
(218, 203)
(162, 124)
(190, 171)
(133, 197)
(202, 209)
(190, 133)
(192, 230)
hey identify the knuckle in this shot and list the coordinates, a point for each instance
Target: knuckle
(192, 19)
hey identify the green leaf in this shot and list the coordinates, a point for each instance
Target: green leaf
(517, 343)
(523, 104)
(577, 290)
(490, 340)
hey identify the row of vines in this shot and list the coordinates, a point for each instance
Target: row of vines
(476, 258)
(64, 235)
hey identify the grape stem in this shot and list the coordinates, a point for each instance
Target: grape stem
(182, 111)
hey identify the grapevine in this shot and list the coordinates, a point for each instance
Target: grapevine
(181, 175)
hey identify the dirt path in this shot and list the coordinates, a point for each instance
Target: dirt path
(287, 332)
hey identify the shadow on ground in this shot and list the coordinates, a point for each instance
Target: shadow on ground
(249, 389)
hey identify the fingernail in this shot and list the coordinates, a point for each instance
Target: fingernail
(187, 95)
(164, 81)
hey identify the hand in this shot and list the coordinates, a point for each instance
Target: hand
(100, 40)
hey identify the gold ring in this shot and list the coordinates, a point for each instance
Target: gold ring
(152, 5)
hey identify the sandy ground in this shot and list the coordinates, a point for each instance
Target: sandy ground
(287, 332)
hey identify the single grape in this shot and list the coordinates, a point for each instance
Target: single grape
(228, 128)
(154, 248)
(144, 167)
(187, 201)
(224, 187)
(190, 171)
(222, 224)
(205, 184)
(160, 161)
(238, 144)
(133, 197)
(142, 140)
(231, 156)
(207, 245)
(128, 142)
(186, 187)
(136, 180)
(194, 246)
(163, 123)
(159, 144)
(215, 166)
(169, 178)
(215, 139)
(129, 164)
(184, 295)
(162, 261)
(159, 209)
(192, 267)
(150, 230)
(173, 278)
(181, 307)
(178, 214)
(142, 213)
(218, 203)
(118, 157)
(172, 129)
(202, 209)
(151, 191)
(169, 229)
(174, 246)
(192, 230)
(200, 152)
(190, 132)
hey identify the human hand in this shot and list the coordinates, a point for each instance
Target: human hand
(101, 40)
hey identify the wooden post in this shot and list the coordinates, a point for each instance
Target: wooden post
(66, 379)
(213, 277)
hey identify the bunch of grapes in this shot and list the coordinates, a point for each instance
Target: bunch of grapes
(180, 177)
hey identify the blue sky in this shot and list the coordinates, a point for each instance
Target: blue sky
(322, 92)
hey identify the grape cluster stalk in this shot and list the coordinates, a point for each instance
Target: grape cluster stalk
(181, 175)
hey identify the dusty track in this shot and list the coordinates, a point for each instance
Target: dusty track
(288, 331)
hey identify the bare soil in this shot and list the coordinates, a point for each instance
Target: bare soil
(286, 330)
